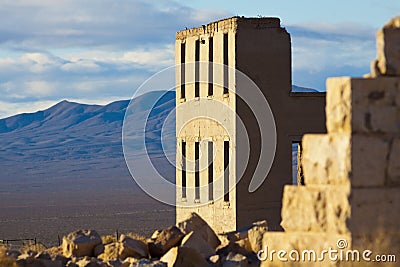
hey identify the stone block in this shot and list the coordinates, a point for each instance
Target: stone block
(196, 224)
(182, 257)
(165, 240)
(368, 160)
(374, 211)
(110, 252)
(388, 48)
(250, 235)
(338, 105)
(99, 249)
(363, 105)
(255, 235)
(375, 108)
(302, 243)
(196, 241)
(326, 159)
(394, 166)
(340, 158)
(134, 248)
(315, 209)
(80, 243)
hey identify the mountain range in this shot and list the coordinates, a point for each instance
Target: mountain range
(63, 168)
(71, 140)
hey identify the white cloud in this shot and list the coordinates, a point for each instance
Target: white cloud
(40, 88)
(322, 50)
(81, 66)
(104, 49)
(42, 75)
(40, 58)
(40, 62)
(33, 63)
(154, 58)
(96, 49)
(123, 24)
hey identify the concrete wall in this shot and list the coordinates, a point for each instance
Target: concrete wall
(261, 49)
(221, 215)
(264, 54)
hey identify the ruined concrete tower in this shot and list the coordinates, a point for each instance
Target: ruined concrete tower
(208, 152)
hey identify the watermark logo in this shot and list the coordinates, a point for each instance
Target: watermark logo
(342, 244)
(342, 253)
(150, 140)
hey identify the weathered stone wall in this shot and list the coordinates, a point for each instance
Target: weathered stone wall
(352, 173)
(368, 111)
(373, 128)
(388, 47)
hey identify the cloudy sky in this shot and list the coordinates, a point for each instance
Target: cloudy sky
(98, 51)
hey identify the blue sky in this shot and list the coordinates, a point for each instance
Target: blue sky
(370, 12)
(97, 51)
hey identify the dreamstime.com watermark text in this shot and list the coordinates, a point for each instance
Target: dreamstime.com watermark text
(339, 254)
